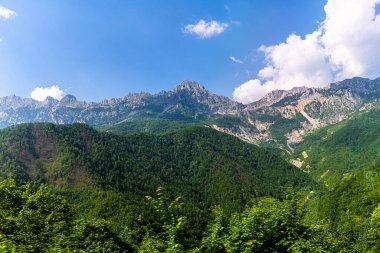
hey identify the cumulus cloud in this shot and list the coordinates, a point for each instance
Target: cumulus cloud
(244, 92)
(236, 60)
(352, 41)
(41, 93)
(204, 29)
(346, 44)
(6, 13)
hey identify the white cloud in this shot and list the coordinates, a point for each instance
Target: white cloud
(41, 93)
(352, 41)
(6, 13)
(204, 29)
(346, 44)
(236, 60)
(247, 92)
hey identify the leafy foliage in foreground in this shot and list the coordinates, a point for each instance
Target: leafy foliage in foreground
(34, 220)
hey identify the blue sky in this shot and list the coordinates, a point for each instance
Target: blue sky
(103, 49)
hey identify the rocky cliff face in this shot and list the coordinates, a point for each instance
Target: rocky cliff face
(193, 91)
(307, 109)
(280, 118)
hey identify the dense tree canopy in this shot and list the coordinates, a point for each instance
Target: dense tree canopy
(195, 190)
(35, 220)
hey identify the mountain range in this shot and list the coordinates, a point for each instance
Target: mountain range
(281, 117)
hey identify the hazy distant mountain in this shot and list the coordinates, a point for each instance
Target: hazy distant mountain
(189, 100)
(280, 118)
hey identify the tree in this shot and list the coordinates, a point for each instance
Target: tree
(370, 241)
(36, 220)
(213, 241)
(166, 237)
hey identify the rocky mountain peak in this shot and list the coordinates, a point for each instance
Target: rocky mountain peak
(69, 99)
(50, 101)
(276, 96)
(190, 86)
(190, 91)
(358, 85)
(10, 99)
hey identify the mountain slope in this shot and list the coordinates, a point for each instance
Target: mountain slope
(352, 210)
(308, 109)
(336, 151)
(201, 164)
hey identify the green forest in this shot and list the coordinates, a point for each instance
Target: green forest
(70, 188)
(37, 219)
(341, 149)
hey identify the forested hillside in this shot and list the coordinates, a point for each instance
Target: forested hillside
(352, 211)
(34, 219)
(193, 189)
(110, 175)
(195, 162)
(331, 153)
